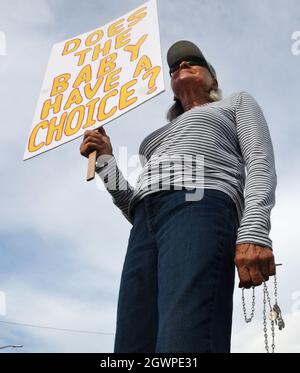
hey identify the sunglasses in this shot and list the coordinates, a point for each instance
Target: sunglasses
(190, 63)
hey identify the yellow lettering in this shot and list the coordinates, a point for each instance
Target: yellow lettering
(85, 75)
(60, 84)
(110, 79)
(55, 128)
(125, 94)
(82, 54)
(75, 98)
(69, 131)
(56, 105)
(91, 110)
(115, 28)
(71, 46)
(134, 49)
(152, 81)
(101, 110)
(89, 91)
(143, 64)
(105, 50)
(123, 38)
(137, 16)
(94, 38)
(32, 147)
(107, 64)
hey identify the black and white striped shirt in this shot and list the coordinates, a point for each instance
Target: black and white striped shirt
(233, 139)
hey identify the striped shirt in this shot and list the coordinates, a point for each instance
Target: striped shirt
(229, 141)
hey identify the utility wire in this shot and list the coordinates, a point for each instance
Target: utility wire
(53, 328)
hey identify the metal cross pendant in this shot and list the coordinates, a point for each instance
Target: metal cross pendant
(278, 320)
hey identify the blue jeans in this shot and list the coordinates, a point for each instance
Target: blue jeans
(176, 289)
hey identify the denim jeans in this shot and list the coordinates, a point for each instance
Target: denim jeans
(176, 289)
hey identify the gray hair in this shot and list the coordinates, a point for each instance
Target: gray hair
(176, 109)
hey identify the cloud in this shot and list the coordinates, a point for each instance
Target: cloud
(40, 308)
(32, 12)
(251, 337)
(62, 241)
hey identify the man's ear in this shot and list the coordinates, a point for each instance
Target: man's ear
(215, 84)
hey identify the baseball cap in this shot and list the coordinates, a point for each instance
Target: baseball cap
(186, 50)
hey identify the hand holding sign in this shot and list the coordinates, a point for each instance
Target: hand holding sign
(96, 140)
(95, 143)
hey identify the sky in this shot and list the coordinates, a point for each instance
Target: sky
(60, 256)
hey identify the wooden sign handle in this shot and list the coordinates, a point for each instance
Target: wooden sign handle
(91, 166)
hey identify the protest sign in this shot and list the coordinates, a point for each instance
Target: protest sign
(95, 77)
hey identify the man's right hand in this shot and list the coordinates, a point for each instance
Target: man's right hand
(96, 140)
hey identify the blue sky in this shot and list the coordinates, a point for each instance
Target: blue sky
(61, 259)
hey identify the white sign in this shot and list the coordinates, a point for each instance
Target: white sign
(96, 77)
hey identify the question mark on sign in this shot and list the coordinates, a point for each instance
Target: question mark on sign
(152, 81)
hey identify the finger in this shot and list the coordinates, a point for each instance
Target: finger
(87, 133)
(91, 143)
(264, 269)
(91, 148)
(256, 275)
(93, 135)
(272, 268)
(93, 138)
(102, 130)
(245, 279)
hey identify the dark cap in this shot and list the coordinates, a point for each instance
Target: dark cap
(186, 50)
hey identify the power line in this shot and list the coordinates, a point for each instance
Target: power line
(10, 346)
(53, 328)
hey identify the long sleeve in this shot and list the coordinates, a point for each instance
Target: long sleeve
(261, 179)
(115, 183)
